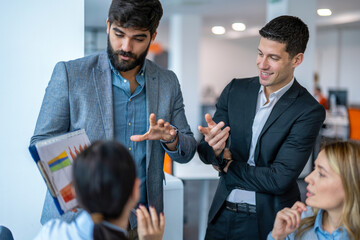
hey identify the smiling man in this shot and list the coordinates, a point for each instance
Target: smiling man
(119, 94)
(261, 136)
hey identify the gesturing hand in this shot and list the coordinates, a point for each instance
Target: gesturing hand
(287, 220)
(214, 135)
(157, 130)
(149, 225)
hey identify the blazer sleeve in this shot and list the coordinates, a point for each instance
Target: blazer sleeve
(54, 116)
(186, 144)
(288, 163)
(206, 153)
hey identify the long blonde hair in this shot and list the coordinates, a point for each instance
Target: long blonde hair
(344, 159)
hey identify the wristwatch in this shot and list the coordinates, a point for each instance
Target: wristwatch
(172, 140)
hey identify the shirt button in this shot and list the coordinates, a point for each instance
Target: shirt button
(129, 148)
(129, 123)
(130, 100)
(125, 81)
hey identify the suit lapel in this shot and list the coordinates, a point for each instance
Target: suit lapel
(250, 108)
(103, 86)
(152, 104)
(284, 102)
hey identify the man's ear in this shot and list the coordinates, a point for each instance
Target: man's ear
(107, 26)
(153, 36)
(297, 60)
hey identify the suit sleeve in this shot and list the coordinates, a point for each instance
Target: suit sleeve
(54, 117)
(288, 163)
(186, 144)
(206, 153)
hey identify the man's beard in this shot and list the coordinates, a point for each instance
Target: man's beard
(125, 65)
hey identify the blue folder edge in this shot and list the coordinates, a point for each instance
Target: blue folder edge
(35, 156)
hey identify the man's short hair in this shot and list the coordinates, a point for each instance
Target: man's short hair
(289, 30)
(138, 14)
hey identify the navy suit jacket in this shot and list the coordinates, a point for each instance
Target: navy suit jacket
(283, 147)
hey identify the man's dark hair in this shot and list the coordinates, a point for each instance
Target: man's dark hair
(289, 30)
(103, 177)
(138, 14)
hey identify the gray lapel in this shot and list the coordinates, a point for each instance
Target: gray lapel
(152, 104)
(103, 85)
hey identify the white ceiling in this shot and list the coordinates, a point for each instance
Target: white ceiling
(225, 12)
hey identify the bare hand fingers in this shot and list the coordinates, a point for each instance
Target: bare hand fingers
(162, 222)
(154, 218)
(152, 120)
(299, 206)
(139, 138)
(146, 216)
(142, 226)
(204, 130)
(160, 123)
(219, 136)
(209, 120)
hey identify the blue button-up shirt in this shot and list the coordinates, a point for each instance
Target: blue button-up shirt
(130, 119)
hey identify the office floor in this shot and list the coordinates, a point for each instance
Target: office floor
(191, 204)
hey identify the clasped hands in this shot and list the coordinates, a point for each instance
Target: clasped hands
(158, 130)
(216, 137)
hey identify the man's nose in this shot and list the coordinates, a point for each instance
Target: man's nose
(126, 45)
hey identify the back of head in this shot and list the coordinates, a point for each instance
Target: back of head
(138, 14)
(344, 159)
(289, 30)
(103, 176)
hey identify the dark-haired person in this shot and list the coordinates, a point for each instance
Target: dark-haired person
(333, 199)
(118, 94)
(106, 186)
(270, 124)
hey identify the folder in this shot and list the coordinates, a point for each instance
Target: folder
(54, 158)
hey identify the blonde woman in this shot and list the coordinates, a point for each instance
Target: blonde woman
(333, 198)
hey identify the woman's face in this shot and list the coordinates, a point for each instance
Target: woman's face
(325, 189)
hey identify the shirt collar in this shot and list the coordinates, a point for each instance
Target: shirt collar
(318, 223)
(140, 80)
(279, 92)
(115, 227)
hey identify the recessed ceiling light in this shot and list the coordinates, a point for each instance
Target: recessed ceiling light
(238, 26)
(218, 30)
(324, 12)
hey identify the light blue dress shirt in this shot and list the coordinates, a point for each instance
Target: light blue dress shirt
(81, 228)
(317, 232)
(130, 119)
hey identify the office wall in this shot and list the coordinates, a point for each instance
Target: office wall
(337, 60)
(34, 36)
(223, 59)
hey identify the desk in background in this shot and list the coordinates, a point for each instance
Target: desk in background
(197, 170)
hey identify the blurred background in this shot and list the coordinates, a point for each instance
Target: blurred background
(37, 34)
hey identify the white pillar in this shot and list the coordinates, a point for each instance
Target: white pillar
(34, 36)
(185, 37)
(306, 11)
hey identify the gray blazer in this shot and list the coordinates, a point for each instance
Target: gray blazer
(79, 95)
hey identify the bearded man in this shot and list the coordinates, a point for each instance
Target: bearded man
(121, 95)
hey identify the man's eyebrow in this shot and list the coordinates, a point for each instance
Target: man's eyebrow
(136, 35)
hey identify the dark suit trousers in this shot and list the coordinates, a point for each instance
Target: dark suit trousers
(231, 225)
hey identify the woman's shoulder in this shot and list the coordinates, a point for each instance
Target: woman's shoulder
(79, 229)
